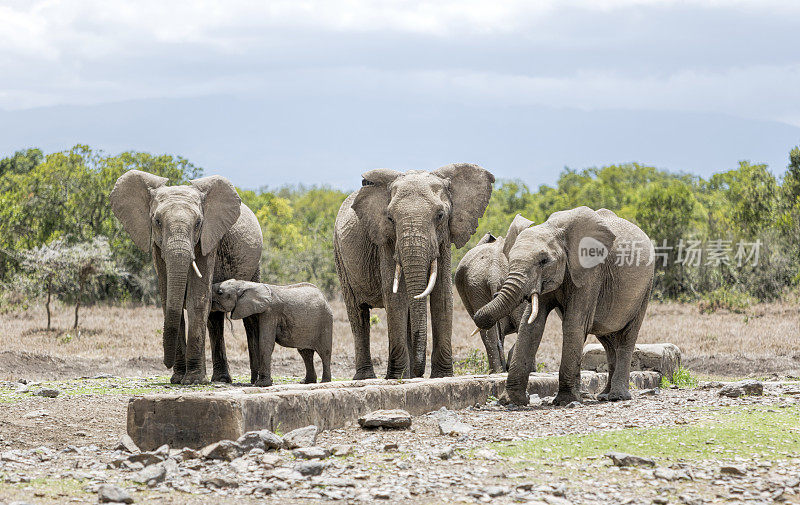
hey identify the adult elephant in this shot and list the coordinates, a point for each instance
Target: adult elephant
(199, 234)
(392, 243)
(597, 270)
(479, 276)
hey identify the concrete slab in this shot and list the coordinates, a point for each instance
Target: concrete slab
(662, 358)
(198, 419)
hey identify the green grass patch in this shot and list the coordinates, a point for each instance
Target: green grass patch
(51, 488)
(682, 378)
(474, 364)
(764, 432)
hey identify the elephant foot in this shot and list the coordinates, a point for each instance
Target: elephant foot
(310, 379)
(617, 396)
(263, 382)
(516, 397)
(566, 397)
(223, 377)
(194, 378)
(437, 371)
(177, 378)
(253, 377)
(367, 373)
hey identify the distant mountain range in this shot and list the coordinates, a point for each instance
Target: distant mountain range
(258, 142)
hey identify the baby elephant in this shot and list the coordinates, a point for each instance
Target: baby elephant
(294, 316)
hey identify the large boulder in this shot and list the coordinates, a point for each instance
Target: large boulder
(662, 358)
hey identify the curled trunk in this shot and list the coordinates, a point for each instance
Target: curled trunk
(509, 296)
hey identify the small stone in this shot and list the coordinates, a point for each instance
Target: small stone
(301, 437)
(342, 450)
(495, 491)
(36, 413)
(650, 392)
(445, 452)
(390, 446)
(108, 493)
(310, 468)
(226, 450)
(127, 444)
(453, 427)
(534, 400)
(311, 453)
(622, 459)
(391, 419)
(219, 482)
(287, 474)
(573, 405)
(187, 453)
(737, 389)
(22, 388)
(735, 470)
(151, 475)
(48, 393)
(263, 439)
(270, 460)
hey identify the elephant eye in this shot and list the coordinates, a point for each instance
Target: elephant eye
(544, 261)
(197, 224)
(158, 222)
(440, 215)
(390, 218)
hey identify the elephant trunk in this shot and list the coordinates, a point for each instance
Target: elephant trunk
(416, 263)
(178, 259)
(509, 296)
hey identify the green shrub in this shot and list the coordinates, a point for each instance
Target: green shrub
(474, 364)
(724, 298)
(682, 378)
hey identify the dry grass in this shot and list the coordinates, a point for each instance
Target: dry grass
(766, 332)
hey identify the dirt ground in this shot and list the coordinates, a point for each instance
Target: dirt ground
(705, 448)
(126, 341)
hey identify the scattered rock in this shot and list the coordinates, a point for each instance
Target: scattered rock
(454, 428)
(534, 400)
(301, 437)
(108, 493)
(151, 475)
(390, 446)
(36, 413)
(310, 468)
(127, 444)
(342, 450)
(263, 439)
(311, 453)
(737, 389)
(391, 419)
(150, 458)
(445, 452)
(219, 482)
(622, 459)
(21, 388)
(47, 393)
(271, 460)
(226, 450)
(287, 474)
(650, 392)
(573, 405)
(735, 470)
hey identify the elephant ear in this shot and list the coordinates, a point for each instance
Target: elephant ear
(583, 224)
(371, 203)
(253, 299)
(221, 208)
(130, 202)
(470, 190)
(517, 225)
(486, 239)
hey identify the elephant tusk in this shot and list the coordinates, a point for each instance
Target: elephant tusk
(431, 281)
(475, 332)
(534, 307)
(396, 283)
(196, 270)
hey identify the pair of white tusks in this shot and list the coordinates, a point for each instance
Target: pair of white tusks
(431, 280)
(534, 313)
(196, 270)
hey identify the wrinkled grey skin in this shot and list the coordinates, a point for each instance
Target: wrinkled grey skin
(479, 276)
(408, 219)
(204, 222)
(607, 300)
(295, 316)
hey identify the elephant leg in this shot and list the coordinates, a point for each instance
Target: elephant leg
(501, 350)
(359, 324)
(441, 300)
(521, 361)
(267, 329)
(578, 316)
(308, 360)
(624, 344)
(198, 307)
(611, 358)
(216, 335)
(179, 369)
(493, 352)
(397, 322)
(326, 365)
(253, 351)
(409, 346)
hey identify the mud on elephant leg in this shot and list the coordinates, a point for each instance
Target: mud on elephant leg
(216, 329)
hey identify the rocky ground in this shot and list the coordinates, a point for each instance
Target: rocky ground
(690, 445)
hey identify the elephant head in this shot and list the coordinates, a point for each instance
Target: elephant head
(541, 258)
(178, 221)
(240, 298)
(416, 214)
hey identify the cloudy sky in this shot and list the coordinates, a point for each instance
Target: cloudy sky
(272, 92)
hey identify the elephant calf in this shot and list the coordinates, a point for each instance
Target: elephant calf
(295, 316)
